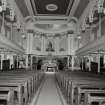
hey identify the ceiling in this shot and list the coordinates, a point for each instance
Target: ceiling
(45, 7)
(51, 26)
(51, 7)
(79, 10)
(54, 28)
(49, 13)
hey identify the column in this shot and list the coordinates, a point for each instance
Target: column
(31, 62)
(89, 63)
(29, 43)
(69, 45)
(98, 58)
(10, 57)
(3, 25)
(72, 45)
(104, 61)
(42, 44)
(3, 57)
(17, 61)
(68, 61)
(72, 62)
(57, 45)
(99, 30)
(12, 32)
(26, 61)
(82, 63)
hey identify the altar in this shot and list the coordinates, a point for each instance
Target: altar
(49, 66)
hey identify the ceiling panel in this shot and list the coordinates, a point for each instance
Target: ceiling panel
(23, 8)
(52, 7)
(81, 7)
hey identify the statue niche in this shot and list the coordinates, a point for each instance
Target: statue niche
(50, 47)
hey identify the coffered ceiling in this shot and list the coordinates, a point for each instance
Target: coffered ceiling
(51, 12)
(52, 7)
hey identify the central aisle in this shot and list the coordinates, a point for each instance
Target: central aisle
(49, 94)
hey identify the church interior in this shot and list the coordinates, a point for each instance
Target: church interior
(52, 52)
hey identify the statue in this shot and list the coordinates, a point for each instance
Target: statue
(50, 47)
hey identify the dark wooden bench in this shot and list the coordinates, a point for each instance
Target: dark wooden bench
(25, 84)
(74, 84)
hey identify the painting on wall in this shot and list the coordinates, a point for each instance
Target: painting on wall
(37, 44)
(63, 44)
(50, 46)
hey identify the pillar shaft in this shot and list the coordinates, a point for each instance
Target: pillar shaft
(72, 62)
(98, 56)
(89, 63)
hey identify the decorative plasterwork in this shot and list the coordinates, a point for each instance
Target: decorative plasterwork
(62, 8)
(51, 7)
(74, 7)
(17, 11)
(84, 14)
(52, 28)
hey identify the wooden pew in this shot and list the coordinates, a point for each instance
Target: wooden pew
(98, 85)
(79, 92)
(26, 88)
(94, 97)
(7, 94)
(25, 83)
(18, 86)
(79, 80)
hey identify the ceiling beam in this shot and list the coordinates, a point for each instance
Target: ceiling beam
(69, 6)
(34, 6)
(74, 7)
(48, 19)
(29, 7)
(51, 17)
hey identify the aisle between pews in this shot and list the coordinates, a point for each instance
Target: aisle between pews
(49, 93)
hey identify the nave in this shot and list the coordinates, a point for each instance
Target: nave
(66, 37)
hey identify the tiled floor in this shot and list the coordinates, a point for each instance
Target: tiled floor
(49, 93)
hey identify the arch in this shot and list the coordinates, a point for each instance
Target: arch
(73, 18)
(29, 18)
